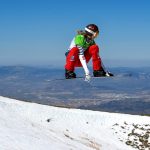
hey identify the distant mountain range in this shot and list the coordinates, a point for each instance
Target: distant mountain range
(127, 92)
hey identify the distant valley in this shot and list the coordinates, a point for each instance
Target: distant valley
(127, 92)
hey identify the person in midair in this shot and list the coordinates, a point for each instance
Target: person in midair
(81, 50)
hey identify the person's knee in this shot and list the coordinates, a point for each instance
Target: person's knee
(74, 51)
(94, 49)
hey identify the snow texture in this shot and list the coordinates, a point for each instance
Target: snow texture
(30, 126)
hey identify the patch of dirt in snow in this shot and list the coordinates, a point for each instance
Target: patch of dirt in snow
(134, 135)
(89, 142)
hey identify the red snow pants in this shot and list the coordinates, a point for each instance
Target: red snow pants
(72, 59)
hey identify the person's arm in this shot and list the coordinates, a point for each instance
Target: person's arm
(79, 40)
(84, 64)
(83, 61)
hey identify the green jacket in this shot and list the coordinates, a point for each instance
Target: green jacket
(81, 41)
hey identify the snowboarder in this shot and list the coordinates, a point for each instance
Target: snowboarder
(81, 50)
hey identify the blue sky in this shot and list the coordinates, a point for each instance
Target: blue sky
(39, 32)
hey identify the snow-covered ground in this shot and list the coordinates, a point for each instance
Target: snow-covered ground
(30, 126)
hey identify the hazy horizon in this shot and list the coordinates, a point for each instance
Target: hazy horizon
(107, 63)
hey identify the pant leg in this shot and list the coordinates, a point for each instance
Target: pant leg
(93, 51)
(72, 59)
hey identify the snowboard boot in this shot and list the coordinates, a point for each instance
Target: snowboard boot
(69, 74)
(99, 73)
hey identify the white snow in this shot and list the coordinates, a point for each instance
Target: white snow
(30, 126)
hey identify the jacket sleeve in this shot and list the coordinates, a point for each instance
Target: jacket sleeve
(79, 41)
(84, 64)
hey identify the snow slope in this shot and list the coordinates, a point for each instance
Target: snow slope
(30, 126)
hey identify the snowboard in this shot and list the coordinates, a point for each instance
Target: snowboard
(80, 77)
